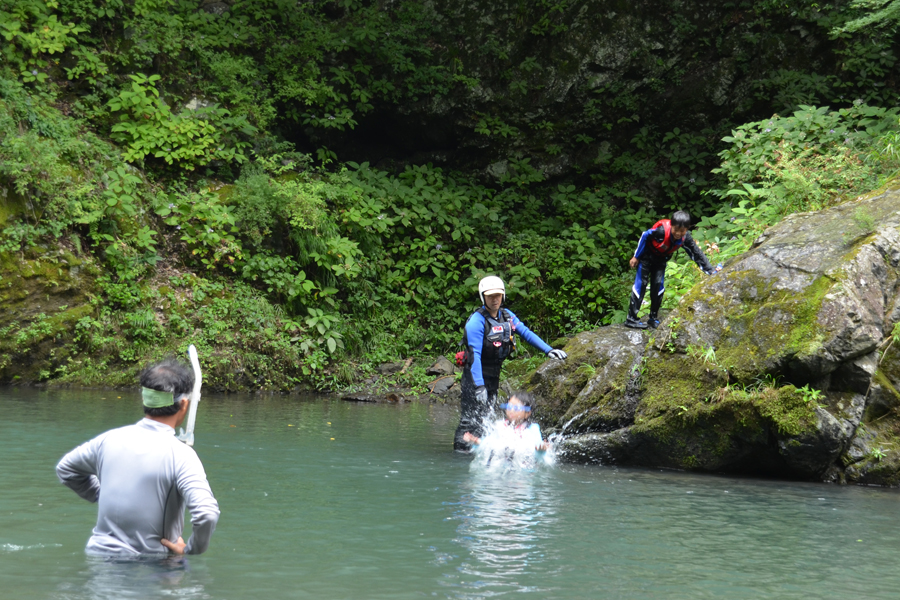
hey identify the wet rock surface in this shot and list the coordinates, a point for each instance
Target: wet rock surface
(780, 365)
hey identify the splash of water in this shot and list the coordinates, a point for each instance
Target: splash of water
(572, 420)
(503, 448)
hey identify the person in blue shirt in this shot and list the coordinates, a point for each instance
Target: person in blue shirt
(656, 246)
(489, 339)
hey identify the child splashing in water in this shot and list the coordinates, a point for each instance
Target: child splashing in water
(515, 438)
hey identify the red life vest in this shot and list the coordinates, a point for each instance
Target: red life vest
(668, 245)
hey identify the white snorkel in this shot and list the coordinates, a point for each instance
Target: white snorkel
(187, 435)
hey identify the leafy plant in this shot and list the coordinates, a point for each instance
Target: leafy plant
(807, 161)
(205, 225)
(810, 395)
(325, 325)
(191, 137)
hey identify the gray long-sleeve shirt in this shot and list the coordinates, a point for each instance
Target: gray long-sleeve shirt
(141, 476)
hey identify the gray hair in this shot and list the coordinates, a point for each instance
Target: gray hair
(169, 375)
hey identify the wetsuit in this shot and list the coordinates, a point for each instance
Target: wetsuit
(142, 477)
(654, 250)
(489, 342)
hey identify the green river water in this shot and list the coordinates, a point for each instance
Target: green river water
(330, 500)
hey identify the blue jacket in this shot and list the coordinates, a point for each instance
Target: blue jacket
(475, 340)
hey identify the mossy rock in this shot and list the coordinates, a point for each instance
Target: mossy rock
(44, 293)
(11, 203)
(802, 303)
(768, 367)
(874, 456)
(774, 432)
(587, 391)
(674, 381)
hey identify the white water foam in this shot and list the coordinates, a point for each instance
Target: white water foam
(15, 548)
(503, 449)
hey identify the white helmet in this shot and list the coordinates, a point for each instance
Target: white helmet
(491, 285)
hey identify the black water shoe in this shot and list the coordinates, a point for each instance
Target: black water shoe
(652, 323)
(635, 324)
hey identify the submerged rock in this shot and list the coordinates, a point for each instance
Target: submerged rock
(388, 397)
(774, 366)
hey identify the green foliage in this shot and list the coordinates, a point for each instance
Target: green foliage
(280, 276)
(807, 161)
(810, 395)
(37, 149)
(205, 225)
(489, 125)
(232, 78)
(63, 178)
(364, 264)
(349, 262)
(34, 34)
(875, 14)
(191, 137)
(246, 341)
(708, 355)
(808, 132)
(324, 324)
(37, 330)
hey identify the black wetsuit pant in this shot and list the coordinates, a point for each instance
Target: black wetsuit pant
(652, 271)
(472, 414)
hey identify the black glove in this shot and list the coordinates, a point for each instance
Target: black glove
(481, 395)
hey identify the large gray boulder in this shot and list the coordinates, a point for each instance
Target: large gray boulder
(591, 391)
(776, 365)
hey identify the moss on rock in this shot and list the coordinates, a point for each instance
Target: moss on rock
(588, 391)
(44, 293)
(770, 366)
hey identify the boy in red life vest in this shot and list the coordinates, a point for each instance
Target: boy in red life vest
(657, 245)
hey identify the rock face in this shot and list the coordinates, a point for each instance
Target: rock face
(592, 390)
(570, 85)
(45, 293)
(782, 364)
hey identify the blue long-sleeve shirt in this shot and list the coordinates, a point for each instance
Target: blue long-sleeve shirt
(475, 340)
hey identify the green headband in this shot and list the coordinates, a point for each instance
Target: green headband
(157, 399)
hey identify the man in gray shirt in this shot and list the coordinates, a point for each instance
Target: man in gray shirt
(142, 477)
